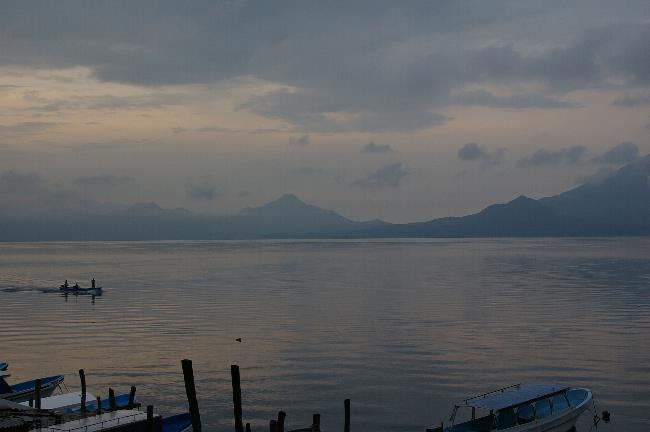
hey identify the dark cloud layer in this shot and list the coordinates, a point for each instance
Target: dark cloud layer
(632, 101)
(477, 152)
(570, 155)
(26, 128)
(387, 176)
(515, 101)
(372, 148)
(16, 181)
(621, 154)
(203, 190)
(385, 67)
(105, 181)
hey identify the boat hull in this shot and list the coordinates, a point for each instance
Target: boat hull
(25, 391)
(560, 422)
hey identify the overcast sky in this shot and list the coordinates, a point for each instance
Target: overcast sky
(376, 109)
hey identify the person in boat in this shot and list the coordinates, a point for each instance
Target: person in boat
(65, 284)
(76, 285)
(92, 282)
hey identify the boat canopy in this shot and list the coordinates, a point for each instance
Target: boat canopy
(512, 396)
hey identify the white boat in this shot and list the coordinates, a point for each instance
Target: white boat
(520, 408)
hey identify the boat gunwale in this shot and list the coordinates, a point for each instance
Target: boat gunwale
(478, 399)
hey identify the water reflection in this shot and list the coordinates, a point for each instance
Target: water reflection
(404, 329)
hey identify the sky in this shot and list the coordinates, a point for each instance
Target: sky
(402, 111)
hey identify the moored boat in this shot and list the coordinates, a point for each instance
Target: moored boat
(3, 366)
(520, 408)
(24, 391)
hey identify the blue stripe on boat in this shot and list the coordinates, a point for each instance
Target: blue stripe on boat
(176, 423)
(121, 400)
(31, 385)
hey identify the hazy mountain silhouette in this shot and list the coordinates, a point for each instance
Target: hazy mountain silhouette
(617, 205)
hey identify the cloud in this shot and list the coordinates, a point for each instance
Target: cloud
(387, 176)
(372, 148)
(472, 151)
(515, 101)
(632, 101)
(621, 154)
(354, 79)
(301, 141)
(26, 128)
(106, 181)
(206, 129)
(103, 102)
(477, 152)
(203, 190)
(570, 156)
(16, 181)
(309, 171)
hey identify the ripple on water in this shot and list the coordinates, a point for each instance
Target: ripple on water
(403, 328)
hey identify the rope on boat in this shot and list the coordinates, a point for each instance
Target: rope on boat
(596, 417)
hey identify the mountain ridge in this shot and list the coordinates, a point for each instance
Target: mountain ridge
(618, 205)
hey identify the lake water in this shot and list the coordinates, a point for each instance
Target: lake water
(402, 328)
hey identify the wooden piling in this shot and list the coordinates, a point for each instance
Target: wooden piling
(37, 394)
(99, 405)
(280, 424)
(150, 424)
(315, 423)
(82, 378)
(190, 390)
(273, 426)
(236, 397)
(248, 427)
(132, 396)
(346, 426)
(111, 399)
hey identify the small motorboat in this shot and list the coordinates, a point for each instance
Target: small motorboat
(520, 408)
(79, 290)
(24, 391)
(76, 289)
(3, 366)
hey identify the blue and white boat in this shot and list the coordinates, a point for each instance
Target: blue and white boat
(520, 408)
(3, 366)
(24, 391)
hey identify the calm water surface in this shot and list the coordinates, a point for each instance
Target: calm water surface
(403, 328)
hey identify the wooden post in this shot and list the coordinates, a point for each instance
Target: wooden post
(248, 427)
(346, 426)
(37, 394)
(82, 378)
(315, 423)
(99, 405)
(190, 390)
(273, 426)
(111, 399)
(280, 425)
(236, 397)
(132, 396)
(150, 426)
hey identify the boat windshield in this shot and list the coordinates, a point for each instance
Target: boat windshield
(469, 418)
(576, 396)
